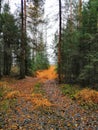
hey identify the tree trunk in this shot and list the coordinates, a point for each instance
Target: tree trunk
(0, 61)
(0, 45)
(80, 14)
(25, 16)
(22, 59)
(59, 44)
(71, 17)
(7, 59)
(26, 50)
(0, 6)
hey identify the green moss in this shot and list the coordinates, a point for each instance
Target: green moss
(6, 104)
(70, 90)
(38, 85)
(38, 89)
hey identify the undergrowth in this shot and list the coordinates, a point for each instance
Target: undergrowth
(37, 89)
(87, 98)
(70, 90)
(7, 100)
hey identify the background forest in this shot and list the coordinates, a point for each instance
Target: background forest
(23, 41)
(17, 48)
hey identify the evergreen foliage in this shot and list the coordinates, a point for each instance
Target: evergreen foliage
(8, 40)
(79, 48)
(11, 51)
(41, 62)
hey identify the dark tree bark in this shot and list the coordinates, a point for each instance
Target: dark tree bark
(59, 43)
(25, 16)
(22, 56)
(0, 45)
(25, 26)
(0, 6)
(7, 58)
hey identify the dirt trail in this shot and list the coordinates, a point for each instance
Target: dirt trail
(61, 114)
(75, 117)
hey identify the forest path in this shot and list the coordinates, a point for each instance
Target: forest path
(75, 117)
(40, 105)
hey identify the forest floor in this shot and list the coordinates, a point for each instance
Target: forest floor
(38, 104)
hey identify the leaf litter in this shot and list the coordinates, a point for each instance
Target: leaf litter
(49, 111)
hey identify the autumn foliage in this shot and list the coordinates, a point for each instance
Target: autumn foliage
(87, 96)
(47, 74)
(40, 101)
(12, 94)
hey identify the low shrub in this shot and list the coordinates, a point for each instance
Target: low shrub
(87, 98)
